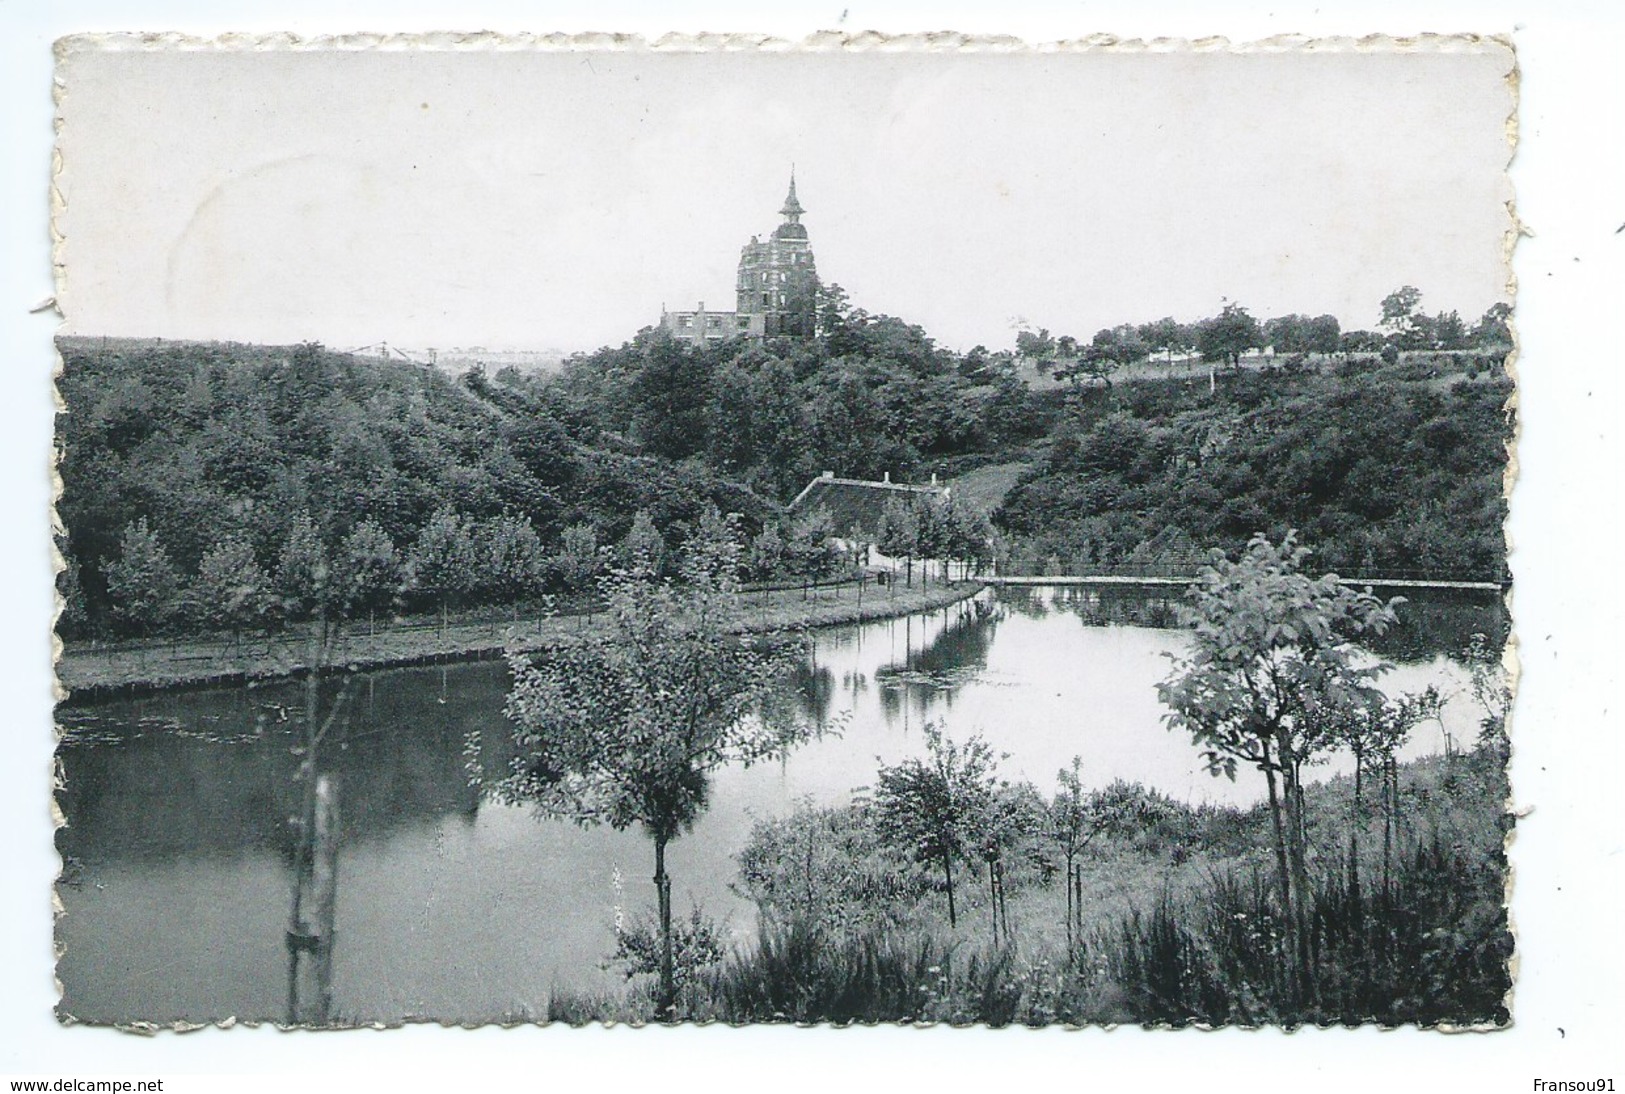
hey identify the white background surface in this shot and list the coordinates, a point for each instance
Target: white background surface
(1570, 181)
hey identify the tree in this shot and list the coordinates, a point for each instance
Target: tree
(1038, 346)
(1228, 335)
(1493, 328)
(1449, 332)
(73, 617)
(1166, 336)
(1271, 662)
(302, 572)
(1323, 334)
(809, 544)
(1374, 733)
(1359, 341)
(1402, 315)
(1491, 688)
(510, 559)
(731, 429)
(442, 560)
(1073, 820)
(671, 395)
(956, 532)
(368, 570)
(932, 807)
(230, 590)
(766, 553)
(1011, 815)
(627, 731)
(578, 560)
(142, 582)
(899, 532)
(644, 548)
(1302, 334)
(834, 321)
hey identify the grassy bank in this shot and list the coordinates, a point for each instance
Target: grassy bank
(91, 669)
(1178, 923)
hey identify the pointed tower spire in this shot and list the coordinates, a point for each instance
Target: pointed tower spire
(792, 208)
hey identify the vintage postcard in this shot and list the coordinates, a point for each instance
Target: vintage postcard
(853, 531)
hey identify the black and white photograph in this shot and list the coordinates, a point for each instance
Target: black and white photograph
(818, 550)
(568, 531)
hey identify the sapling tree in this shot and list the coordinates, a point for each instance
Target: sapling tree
(368, 570)
(230, 589)
(1074, 820)
(1271, 659)
(809, 545)
(644, 548)
(1491, 689)
(628, 730)
(142, 582)
(1009, 818)
(511, 559)
(578, 561)
(934, 807)
(1374, 733)
(302, 579)
(443, 560)
(899, 532)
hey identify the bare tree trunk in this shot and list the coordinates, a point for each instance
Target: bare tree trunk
(1354, 827)
(1288, 904)
(1296, 858)
(1070, 943)
(668, 979)
(1004, 905)
(1390, 793)
(993, 899)
(1077, 898)
(1283, 872)
(948, 876)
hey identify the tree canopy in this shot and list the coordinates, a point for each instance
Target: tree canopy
(627, 731)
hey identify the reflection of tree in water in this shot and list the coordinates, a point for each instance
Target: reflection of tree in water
(1131, 605)
(957, 655)
(211, 771)
(1028, 601)
(1432, 622)
(814, 688)
(1443, 622)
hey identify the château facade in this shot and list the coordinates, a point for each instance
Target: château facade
(776, 292)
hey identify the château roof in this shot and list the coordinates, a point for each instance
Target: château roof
(792, 208)
(792, 228)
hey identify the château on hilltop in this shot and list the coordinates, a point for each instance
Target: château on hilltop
(776, 290)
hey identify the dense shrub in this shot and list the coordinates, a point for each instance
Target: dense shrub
(1388, 475)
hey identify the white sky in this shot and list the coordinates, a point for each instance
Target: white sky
(556, 200)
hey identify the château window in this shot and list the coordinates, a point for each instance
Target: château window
(767, 298)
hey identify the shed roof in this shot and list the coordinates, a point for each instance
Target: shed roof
(856, 505)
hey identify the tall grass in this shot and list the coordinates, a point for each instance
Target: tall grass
(1430, 948)
(1198, 943)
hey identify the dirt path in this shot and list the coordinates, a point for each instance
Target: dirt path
(84, 670)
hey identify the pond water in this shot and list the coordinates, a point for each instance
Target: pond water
(179, 854)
